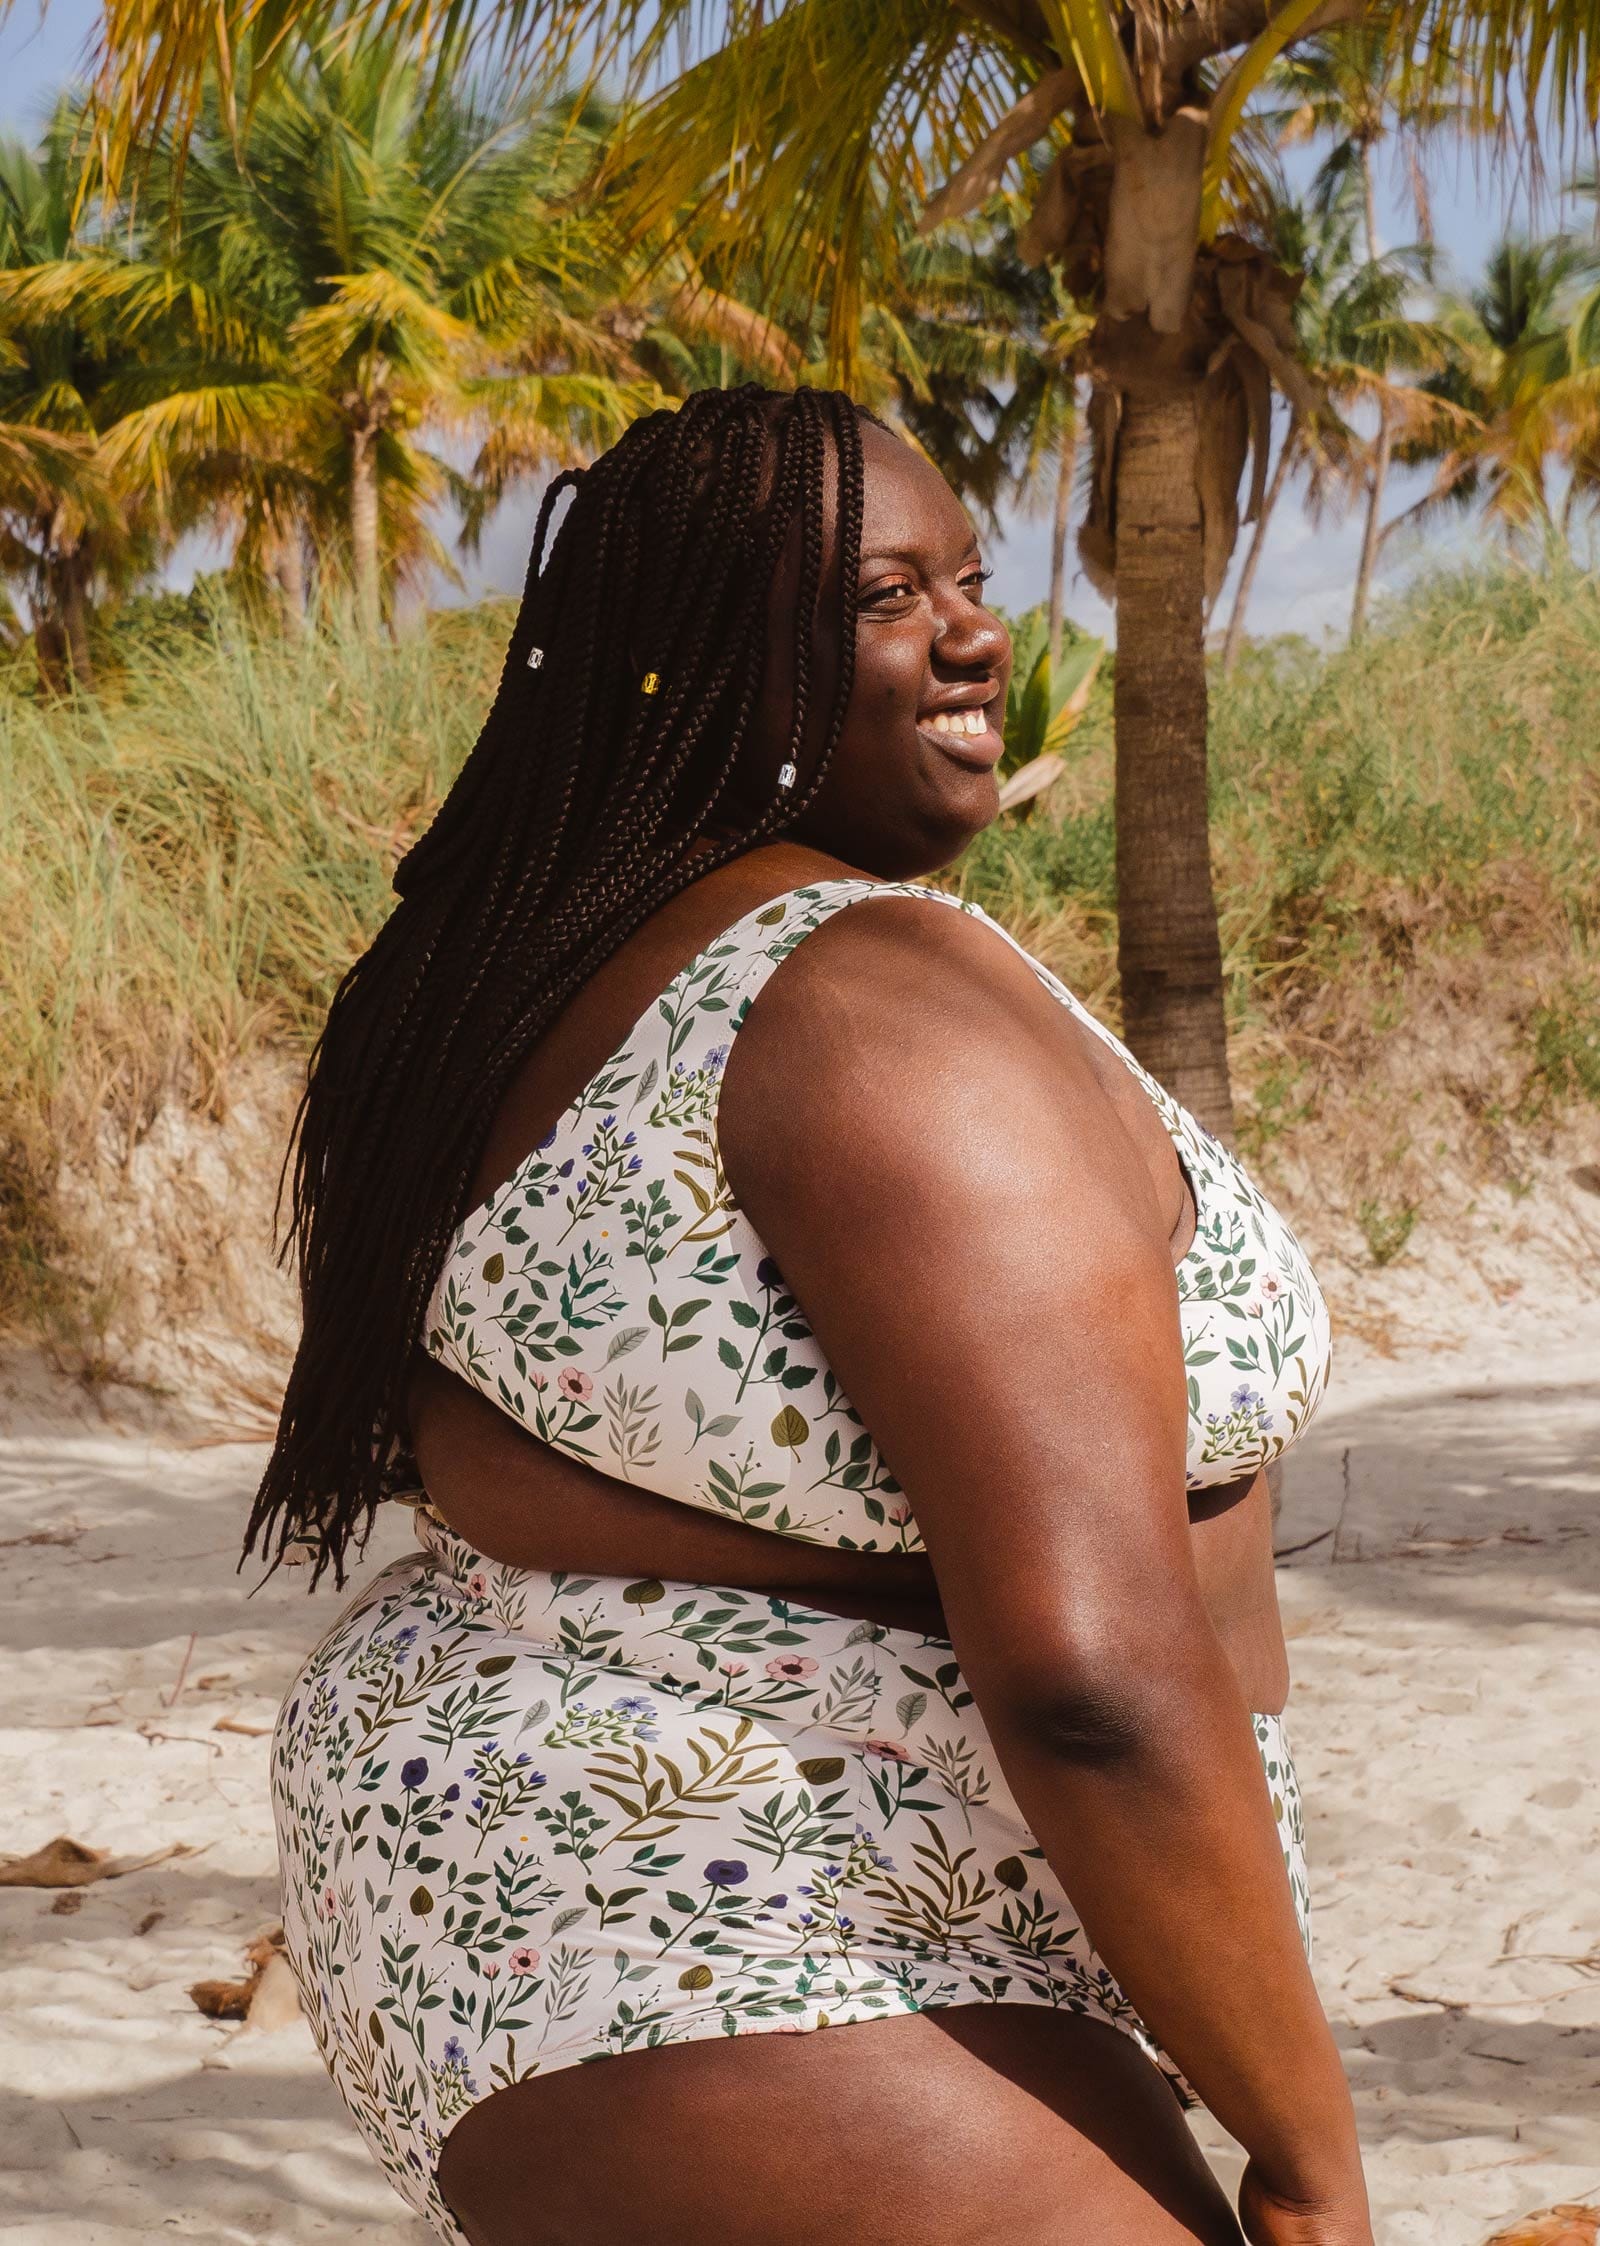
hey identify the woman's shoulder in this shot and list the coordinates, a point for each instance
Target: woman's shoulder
(911, 1017)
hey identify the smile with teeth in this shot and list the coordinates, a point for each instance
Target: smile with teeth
(956, 721)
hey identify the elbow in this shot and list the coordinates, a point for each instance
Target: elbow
(1102, 1725)
(1114, 1707)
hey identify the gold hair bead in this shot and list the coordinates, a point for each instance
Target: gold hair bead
(650, 683)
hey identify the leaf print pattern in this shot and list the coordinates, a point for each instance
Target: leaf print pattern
(527, 1820)
(620, 1234)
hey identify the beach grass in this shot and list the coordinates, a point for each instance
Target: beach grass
(1406, 839)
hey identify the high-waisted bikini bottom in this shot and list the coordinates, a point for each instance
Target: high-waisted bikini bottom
(529, 1820)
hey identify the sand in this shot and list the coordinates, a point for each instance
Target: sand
(1446, 1714)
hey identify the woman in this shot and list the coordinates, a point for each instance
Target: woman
(841, 1396)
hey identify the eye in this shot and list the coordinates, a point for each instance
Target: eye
(974, 580)
(885, 590)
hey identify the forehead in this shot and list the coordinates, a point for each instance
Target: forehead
(907, 507)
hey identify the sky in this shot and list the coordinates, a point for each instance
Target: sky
(1307, 570)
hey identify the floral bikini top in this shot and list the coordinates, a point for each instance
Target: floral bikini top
(613, 1298)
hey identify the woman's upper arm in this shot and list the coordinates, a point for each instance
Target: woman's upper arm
(911, 1123)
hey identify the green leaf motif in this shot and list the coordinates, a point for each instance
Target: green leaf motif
(1010, 1873)
(910, 1709)
(645, 1594)
(790, 1428)
(421, 1901)
(821, 1770)
(497, 1664)
(696, 1977)
(494, 1269)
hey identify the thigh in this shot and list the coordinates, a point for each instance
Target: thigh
(972, 2126)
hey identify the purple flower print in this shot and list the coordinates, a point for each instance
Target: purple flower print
(725, 1871)
(414, 1773)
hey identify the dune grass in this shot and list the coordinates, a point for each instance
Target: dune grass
(1407, 837)
(1405, 834)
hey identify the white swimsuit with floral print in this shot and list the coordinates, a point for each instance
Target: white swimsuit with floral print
(527, 1820)
(612, 1297)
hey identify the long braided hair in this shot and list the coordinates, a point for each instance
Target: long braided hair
(570, 823)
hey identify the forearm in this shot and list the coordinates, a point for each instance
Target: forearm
(1149, 1801)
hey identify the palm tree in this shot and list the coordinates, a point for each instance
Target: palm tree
(1519, 362)
(368, 269)
(402, 248)
(67, 525)
(1317, 245)
(789, 113)
(1043, 420)
(1359, 334)
(1351, 87)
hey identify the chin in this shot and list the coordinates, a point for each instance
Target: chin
(934, 846)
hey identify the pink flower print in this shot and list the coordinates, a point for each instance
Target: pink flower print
(576, 1387)
(538, 1383)
(330, 1903)
(899, 1515)
(790, 1668)
(522, 1961)
(490, 1972)
(1271, 1285)
(1255, 1307)
(478, 1584)
(890, 1749)
(733, 1668)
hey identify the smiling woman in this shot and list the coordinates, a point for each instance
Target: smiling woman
(833, 1381)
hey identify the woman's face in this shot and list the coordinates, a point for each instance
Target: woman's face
(912, 775)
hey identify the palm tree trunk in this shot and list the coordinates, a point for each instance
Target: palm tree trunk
(75, 618)
(1065, 467)
(1370, 535)
(1252, 559)
(364, 527)
(1169, 953)
(50, 653)
(290, 571)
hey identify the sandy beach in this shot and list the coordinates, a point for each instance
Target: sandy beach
(1442, 1605)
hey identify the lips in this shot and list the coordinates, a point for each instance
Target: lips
(965, 736)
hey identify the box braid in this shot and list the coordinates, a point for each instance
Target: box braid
(569, 824)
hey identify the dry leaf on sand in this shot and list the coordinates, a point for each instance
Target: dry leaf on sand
(68, 1863)
(1567, 2225)
(267, 1998)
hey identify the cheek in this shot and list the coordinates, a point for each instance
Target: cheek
(890, 675)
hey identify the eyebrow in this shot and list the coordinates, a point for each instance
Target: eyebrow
(909, 556)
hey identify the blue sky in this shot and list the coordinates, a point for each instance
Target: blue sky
(1307, 571)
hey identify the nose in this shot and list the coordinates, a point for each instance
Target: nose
(966, 636)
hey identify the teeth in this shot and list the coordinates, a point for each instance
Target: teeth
(958, 721)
